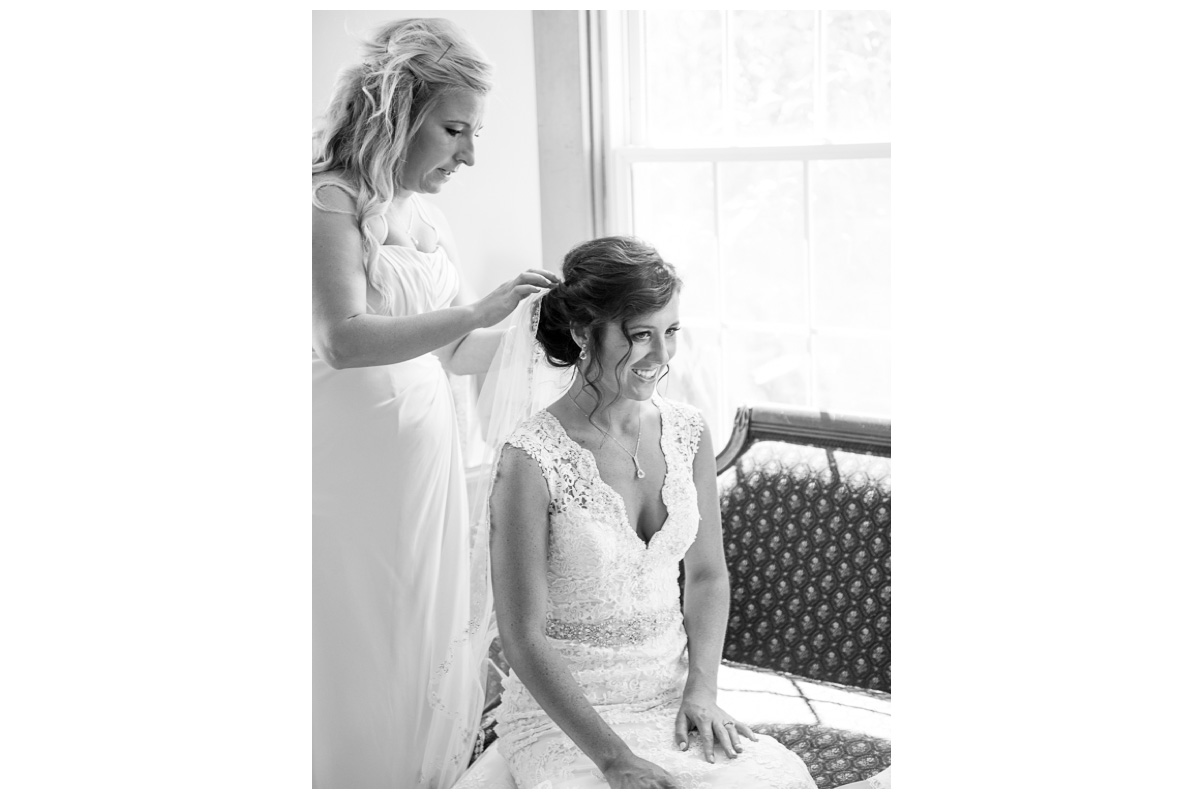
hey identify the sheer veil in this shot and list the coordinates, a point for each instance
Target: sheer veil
(519, 382)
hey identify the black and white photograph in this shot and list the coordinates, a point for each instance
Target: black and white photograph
(601, 361)
(616, 318)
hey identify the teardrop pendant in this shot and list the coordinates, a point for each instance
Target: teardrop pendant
(641, 473)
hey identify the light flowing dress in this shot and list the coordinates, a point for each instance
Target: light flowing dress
(614, 616)
(390, 548)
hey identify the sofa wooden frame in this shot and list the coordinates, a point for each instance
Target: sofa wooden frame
(803, 426)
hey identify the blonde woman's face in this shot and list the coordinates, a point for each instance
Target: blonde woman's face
(445, 140)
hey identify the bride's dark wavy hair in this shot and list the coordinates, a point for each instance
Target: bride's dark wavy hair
(612, 279)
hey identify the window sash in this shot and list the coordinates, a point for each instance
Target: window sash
(619, 206)
(622, 40)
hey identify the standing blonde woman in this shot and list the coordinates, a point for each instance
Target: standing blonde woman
(390, 546)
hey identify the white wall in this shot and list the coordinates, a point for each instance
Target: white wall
(494, 206)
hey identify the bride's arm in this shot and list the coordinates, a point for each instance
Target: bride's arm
(519, 545)
(706, 612)
(346, 335)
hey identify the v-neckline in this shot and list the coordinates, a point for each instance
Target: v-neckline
(662, 492)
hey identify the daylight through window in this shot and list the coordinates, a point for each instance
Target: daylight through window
(753, 149)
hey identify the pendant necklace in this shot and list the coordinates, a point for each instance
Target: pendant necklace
(641, 473)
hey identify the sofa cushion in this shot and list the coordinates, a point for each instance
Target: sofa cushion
(842, 733)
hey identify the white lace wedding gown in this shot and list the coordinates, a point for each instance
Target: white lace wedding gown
(390, 550)
(614, 615)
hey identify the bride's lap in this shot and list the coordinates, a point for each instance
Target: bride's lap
(553, 757)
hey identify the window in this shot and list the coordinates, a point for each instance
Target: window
(752, 148)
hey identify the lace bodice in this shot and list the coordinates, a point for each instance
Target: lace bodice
(602, 578)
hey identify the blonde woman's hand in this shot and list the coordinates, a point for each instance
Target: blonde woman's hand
(504, 298)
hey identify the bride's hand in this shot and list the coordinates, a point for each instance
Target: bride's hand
(505, 297)
(699, 710)
(631, 772)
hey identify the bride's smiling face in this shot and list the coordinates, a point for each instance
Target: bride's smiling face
(652, 348)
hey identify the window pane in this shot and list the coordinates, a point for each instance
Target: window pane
(773, 56)
(858, 74)
(695, 375)
(765, 367)
(762, 242)
(673, 211)
(683, 76)
(854, 375)
(851, 243)
(786, 263)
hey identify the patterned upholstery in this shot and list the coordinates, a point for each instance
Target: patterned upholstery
(808, 544)
(833, 756)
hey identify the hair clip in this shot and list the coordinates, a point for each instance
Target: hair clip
(443, 55)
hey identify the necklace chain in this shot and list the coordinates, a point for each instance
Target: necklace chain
(641, 473)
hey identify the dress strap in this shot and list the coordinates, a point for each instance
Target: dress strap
(420, 206)
(532, 438)
(684, 425)
(336, 184)
(539, 438)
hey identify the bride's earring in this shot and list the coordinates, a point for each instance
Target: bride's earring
(583, 352)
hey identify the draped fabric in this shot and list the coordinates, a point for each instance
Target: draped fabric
(390, 555)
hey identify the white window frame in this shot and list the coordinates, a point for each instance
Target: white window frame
(615, 30)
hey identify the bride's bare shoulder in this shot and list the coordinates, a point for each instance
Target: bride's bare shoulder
(519, 480)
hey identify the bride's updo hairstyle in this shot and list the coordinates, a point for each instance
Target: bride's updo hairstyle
(377, 107)
(613, 279)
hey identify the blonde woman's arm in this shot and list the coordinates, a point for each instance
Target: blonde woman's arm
(346, 335)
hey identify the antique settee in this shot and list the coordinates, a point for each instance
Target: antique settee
(806, 517)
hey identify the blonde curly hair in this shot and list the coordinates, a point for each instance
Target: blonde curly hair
(378, 106)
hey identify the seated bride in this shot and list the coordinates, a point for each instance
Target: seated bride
(596, 500)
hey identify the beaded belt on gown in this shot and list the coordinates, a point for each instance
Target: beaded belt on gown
(611, 633)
